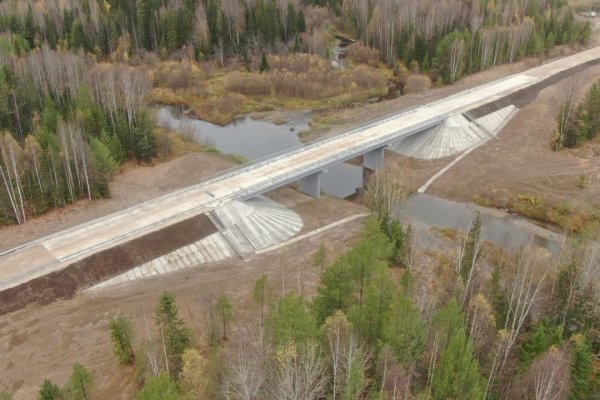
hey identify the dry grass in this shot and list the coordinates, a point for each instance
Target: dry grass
(563, 215)
(172, 145)
(297, 81)
(306, 77)
(358, 53)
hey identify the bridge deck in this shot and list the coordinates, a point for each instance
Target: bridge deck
(54, 252)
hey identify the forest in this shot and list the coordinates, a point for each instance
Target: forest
(78, 77)
(577, 123)
(386, 322)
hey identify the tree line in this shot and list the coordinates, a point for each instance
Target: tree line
(204, 27)
(576, 123)
(67, 124)
(453, 37)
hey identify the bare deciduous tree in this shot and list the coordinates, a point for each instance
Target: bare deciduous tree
(523, 283)
(385, 189)
(298, 373)
(245, 373)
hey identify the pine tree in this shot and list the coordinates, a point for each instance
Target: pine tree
(80, 384)
(161, 387)
(536, 45)
(567, 131)
(369, 316)
(404, 330)
(335, 290)
(396, 235)
(225, 310)
(260, 294)
(468, 261)
(457, 376)
(291, 321)
(122, 337)
(49, 391)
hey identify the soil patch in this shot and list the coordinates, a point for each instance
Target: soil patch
(59, 334)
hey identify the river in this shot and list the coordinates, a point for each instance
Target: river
(255, 139)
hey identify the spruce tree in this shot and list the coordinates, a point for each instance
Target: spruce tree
(104, 165)
(301, 22)
(264, 64)
(173, 331)
(581, 368)
(540, 340)
(144, 139)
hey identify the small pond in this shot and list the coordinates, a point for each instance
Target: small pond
(254, 139)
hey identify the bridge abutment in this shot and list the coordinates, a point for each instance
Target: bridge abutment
(311, 184)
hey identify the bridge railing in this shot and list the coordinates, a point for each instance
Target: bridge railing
(235, 171)
(301, 147)
(337, 158)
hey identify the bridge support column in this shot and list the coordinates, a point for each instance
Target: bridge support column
(374, 159)
(311, 184)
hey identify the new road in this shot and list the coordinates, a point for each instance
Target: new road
(57, 251)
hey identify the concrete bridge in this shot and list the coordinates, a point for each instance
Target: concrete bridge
(304, 164)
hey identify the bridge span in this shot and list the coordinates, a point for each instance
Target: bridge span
(304, 164)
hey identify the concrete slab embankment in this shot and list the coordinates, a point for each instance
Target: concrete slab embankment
(103, 265)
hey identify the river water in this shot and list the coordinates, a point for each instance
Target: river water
(509, 231)
(254, 139)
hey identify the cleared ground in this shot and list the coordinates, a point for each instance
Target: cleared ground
(521, 162)
(43, 342)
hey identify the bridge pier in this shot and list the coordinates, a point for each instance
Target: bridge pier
(311, 184)
(373, 159)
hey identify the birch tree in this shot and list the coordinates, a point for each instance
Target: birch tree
(10, 170)
(523, 285)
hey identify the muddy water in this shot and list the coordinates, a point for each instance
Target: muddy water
(255, 139)
(424, 212)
